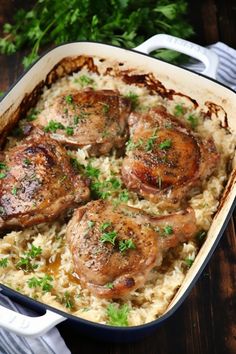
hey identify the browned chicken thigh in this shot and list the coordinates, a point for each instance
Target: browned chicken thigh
(96, 118)
(37, 182)
(114, 248)
(165, 159)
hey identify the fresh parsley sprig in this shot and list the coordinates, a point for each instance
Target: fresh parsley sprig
(124, 23)
(118, 316)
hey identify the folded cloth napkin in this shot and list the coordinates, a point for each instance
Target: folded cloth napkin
(10, 343)
(52, 342)
(226, 73)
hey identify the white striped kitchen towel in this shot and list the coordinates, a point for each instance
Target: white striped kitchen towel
(52, 342)
(226, 73)
(10, 343)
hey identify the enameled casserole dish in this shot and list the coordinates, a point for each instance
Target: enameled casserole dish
(177, 81)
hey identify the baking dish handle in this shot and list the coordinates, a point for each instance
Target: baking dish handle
(206, 56)
(28, 326)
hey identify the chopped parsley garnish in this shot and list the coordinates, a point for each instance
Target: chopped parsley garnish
(166, 144)
(32, 115)
(130, 145)
(179, 110)
(91, 224)
(69, 130)
(84, 80)
(150, 142)
(67, 300)
(109, 237)
(91, 171)
(53, 126)
(63, 178)
(26, 262)
(109, 285)
(3, 262)
(75, 164)
(193, 120)
(168, 230)
(43, 282)
(14, 190)
(27, 162)
(105, 134)
(76, 119)
(124, 196)
(69, 99)
(117, 316)
(105, 108)
(189, 262)
(3, 166)
(133, 97)
(201, 235)
(104, 189)
(105, 225)
(2, 175)
(124, 245)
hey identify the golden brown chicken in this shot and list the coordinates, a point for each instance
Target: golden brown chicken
(96, 118)
(165, 159)
(114, 248)
(37, 182)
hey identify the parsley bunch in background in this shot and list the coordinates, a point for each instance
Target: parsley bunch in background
(125, 23)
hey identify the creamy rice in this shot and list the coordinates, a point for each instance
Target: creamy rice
(149, 302)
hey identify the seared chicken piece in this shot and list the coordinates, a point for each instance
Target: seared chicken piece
(37, 182)
(96, 118)
(165, 160)
(114, 248)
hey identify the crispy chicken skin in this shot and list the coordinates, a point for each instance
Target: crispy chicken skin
(165, 159)
(110, 269)
(39, 183)
(88, 117)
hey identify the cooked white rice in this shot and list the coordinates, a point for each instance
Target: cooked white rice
(150, 301)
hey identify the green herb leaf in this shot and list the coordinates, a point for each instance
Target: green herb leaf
(166, 144)
(32, 115)
(84, 80)
(118, 316)
(133, 97)
(150, 142)
(105, 225)
(25, 263)
(14, 190)
(91, 171)
(2, 175)
(3, 262)
(27, 162)
(69, 131)
(67, 300)
(105, 108)
(109, 237)
(69, 99)
(53, 126)
(124, 245)
(189, 262)
(42, 282)
(124, 196)
(90, 224)
(179, 110)
(124, 23)
(193, 120)
(130, 145)
(109, 285)
(168, 230)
